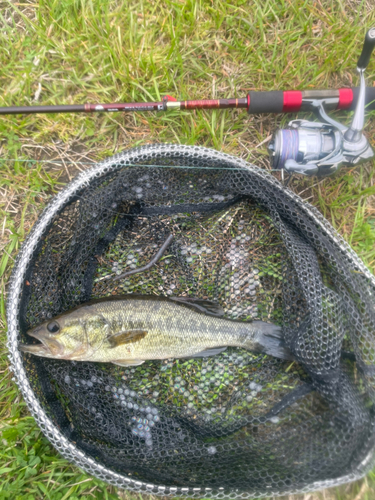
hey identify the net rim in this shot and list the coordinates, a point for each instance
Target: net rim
(66, 448)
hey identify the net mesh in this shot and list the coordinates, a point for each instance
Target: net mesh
(230, 425)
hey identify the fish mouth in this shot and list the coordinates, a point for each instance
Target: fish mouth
(45, 347)
(38, 349)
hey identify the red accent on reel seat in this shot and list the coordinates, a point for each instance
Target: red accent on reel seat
(345, 98)
(292, 100)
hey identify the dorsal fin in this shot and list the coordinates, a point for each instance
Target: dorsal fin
(202, 305)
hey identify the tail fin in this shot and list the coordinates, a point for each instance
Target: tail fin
(268, 340)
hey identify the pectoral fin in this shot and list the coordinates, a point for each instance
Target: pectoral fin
(206, 306)
(128, 362)
(126, 337)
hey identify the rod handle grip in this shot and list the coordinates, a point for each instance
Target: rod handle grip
(368, 47)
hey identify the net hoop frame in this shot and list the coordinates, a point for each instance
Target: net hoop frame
(67, 448)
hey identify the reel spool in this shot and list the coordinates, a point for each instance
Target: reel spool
(302, 144)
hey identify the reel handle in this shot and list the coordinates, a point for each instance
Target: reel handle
(354, 133)
(367, 49)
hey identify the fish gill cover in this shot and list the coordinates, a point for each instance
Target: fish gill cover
(236, 424)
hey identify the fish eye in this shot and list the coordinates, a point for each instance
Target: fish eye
(53, 327)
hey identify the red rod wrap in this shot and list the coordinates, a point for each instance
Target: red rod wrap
(200, 104)
(345, 98)
(292, 101)
(214, 103)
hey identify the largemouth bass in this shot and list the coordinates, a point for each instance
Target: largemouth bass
(131, 329)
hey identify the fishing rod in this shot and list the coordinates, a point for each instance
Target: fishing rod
(274, 101)
(304, 147)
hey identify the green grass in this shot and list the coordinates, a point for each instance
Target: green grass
(76, 51)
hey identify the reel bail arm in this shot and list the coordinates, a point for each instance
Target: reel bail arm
(322, 148)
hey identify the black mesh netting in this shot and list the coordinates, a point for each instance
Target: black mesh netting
(238, 423)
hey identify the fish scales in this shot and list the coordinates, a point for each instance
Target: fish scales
(172, 331)
(132, 329)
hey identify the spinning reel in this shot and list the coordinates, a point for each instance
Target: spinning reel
(322, 148)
